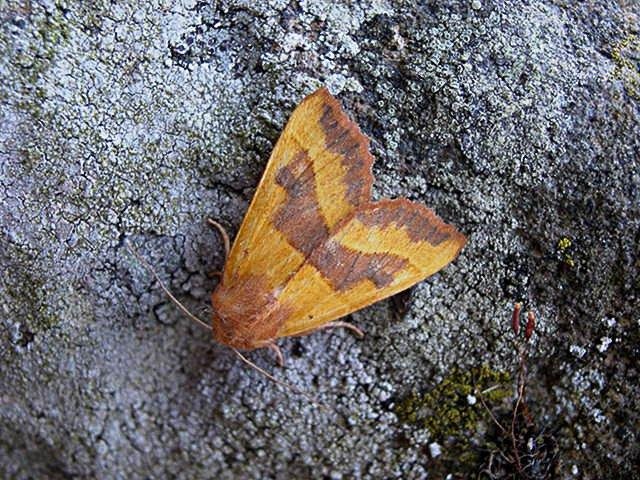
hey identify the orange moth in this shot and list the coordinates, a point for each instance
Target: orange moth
(313, 246)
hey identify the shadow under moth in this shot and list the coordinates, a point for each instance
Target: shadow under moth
(313, 246)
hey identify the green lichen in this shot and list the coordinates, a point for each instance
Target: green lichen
(25, 293)
(449, 415)
(29, 158)
(625, 55)
(445, 410)
(564, 250)
(49, 31)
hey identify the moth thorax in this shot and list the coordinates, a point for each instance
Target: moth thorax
(246, 316)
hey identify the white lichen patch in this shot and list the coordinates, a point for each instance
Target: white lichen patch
(603, 346)
(578, 350)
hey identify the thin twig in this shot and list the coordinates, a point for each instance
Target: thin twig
(521, 383)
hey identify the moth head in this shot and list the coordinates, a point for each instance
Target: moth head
(222, 328)
(246, 315)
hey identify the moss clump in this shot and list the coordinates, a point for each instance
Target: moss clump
(451, 412)
(626, 69)
(446, 410)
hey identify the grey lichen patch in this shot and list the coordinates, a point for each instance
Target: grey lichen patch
(98, 104)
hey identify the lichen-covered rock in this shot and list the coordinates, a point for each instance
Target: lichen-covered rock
(134, 121)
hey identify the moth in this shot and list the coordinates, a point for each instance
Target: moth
(313, 246)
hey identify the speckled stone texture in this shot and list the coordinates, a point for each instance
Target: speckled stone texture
(517, 121)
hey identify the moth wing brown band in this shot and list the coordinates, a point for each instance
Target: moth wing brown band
(398, 256)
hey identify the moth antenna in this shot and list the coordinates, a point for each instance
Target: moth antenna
(165, 289)
(286, 385)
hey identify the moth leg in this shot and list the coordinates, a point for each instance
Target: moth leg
(279, 357)
(339, 324)
(215, 273)
(224, 235)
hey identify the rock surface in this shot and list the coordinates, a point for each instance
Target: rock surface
(133, 121)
